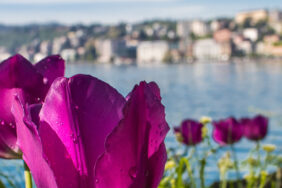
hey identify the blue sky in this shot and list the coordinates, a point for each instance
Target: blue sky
(113, 11)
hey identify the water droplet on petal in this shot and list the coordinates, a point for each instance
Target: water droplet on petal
(45, 80)
(76, 107)
(2, 122)
(97, 181)
(12, 125)
(74, 138)
(132, 172)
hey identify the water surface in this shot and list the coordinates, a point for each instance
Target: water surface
(217, 90)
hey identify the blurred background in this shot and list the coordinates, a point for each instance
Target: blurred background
(215, 58)
(140, 31)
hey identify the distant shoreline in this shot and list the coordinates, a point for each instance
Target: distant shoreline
(231, 60)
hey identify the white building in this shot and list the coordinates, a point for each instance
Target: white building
(200, 28)
(277, 26)
(251, 33)
(109, 49)
(149, 31)
(245, 46)
(74, 38)
(254, 15)
(45, 47)
(68, 54)
(24, 52)
(260, 48)
(183, 29)
(58, 44)
(4, 55)
(215, 25)
(38, 56)
(275, 16)
(209, 49)
(152, 51)
(171, 34)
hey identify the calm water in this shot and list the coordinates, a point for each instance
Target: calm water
(215, 90)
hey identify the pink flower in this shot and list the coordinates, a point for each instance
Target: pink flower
(255, 128)
(88, 135)
(19, 77)
(227, 131)
(190, 132)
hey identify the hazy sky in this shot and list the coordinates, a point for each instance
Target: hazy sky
(112, 11)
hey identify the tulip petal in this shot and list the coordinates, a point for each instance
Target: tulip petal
(7, 97)
(6, 152)
(255, 128)
(30, 143)
(227, 131)
(155, 117)
(14, 72)
(18, 75)
(81, 112)
(58, 159)
(156, 165)
(8, 136)
(191, 132)
(50, 68)
(131, 150)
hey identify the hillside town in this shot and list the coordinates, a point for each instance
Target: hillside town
(252, 34)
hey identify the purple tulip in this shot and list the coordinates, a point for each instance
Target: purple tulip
(190, 132)
(88, 135)
(19, 76)
(256, 128)
(227, 131)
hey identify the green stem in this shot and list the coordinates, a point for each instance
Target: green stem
(258, 153)
(278, 177)
(263, 181)
(27, 176)
(236, 166)
(251, 179)
(202, 172)
(202, 163)
(223, 179)
(190, 173)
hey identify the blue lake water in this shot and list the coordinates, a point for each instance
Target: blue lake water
(192, 90)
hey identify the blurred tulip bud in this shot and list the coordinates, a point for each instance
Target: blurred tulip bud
(205, 131)
(205, 120)
(269, 148)
(252, 161)
(169, 165)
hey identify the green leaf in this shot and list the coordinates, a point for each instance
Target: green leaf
(2, 184)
